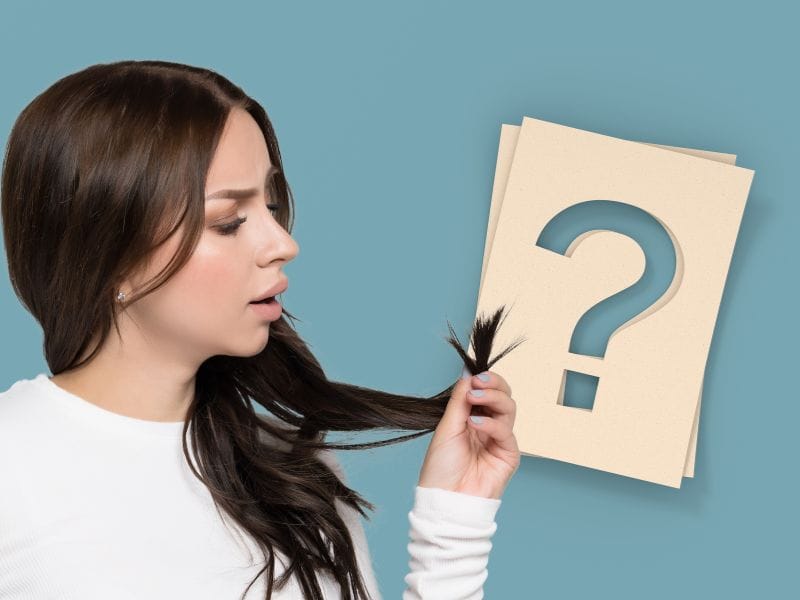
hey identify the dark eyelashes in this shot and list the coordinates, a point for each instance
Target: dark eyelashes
(230, 228)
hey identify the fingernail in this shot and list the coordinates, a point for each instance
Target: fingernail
(465, 374)
(476, 393)
(476, 419)
(484, 376)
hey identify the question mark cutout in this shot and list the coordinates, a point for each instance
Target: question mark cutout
(659, 282)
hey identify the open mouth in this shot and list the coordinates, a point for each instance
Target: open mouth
(265, 301)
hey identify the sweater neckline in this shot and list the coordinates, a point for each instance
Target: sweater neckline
(104, 417)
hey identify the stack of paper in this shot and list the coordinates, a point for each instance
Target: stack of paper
(643, 422)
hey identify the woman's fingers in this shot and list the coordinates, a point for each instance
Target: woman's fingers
(502, 435)
(499, 405)
(493, 381)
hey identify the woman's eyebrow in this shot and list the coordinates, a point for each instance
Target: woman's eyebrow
(243, 194)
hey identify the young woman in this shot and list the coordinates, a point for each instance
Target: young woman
(151, 196)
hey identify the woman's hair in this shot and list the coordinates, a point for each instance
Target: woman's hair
(100, 169)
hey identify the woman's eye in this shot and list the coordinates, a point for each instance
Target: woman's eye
(230, 228)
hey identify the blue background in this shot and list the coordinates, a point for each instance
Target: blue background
(388, 116)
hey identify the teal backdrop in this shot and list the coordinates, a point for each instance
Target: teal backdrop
(388, 116)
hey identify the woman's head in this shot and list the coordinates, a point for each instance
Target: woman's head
(106, 179)
(204, 309)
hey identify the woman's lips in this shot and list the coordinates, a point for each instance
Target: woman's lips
(269, 310)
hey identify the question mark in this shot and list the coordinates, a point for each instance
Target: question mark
(656, 286)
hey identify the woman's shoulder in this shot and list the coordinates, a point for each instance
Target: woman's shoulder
(12, 393)
(30, 449)
(19, 409)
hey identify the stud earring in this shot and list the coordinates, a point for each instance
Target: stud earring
(121, 296)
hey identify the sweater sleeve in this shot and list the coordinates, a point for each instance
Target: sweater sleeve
(450, 543)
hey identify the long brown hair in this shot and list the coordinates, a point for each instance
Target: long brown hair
(100, 169)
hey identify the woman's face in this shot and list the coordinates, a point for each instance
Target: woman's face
(204, 309)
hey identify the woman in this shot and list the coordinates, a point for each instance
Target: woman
(132, 196)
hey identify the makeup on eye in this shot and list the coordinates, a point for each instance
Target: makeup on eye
(231, 227)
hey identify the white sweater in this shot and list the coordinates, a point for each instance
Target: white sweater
(94, 504)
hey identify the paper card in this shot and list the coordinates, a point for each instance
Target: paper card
(505, 154)
(650, 376)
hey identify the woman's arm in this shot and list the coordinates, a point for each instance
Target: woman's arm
(450, 543)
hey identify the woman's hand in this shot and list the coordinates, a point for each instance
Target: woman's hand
(472, 458)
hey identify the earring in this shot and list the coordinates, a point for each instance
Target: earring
(121, 296)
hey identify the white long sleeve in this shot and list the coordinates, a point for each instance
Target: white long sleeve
(450, 544)
(94, 504)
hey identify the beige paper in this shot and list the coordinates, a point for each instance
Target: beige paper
(650, 377)
(505, 154)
